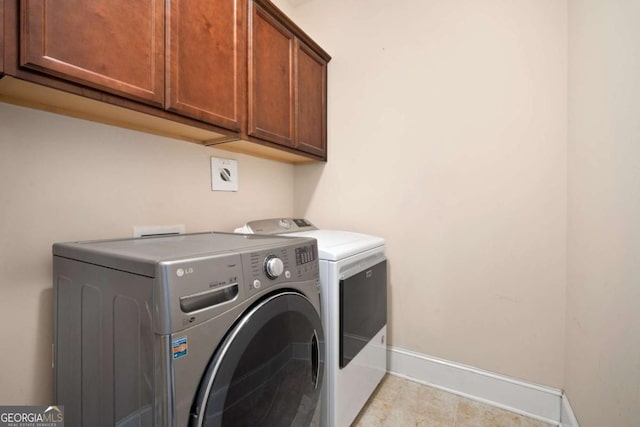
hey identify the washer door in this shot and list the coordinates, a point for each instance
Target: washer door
(269, 369)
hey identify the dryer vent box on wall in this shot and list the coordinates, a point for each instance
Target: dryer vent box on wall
(224, 174)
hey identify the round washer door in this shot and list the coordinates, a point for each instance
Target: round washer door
(269, 369)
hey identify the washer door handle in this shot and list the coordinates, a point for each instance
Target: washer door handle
(209, 298)
(315, 359)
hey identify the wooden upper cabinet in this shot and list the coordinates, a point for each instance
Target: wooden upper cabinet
(113, 45)
(240, 70)
(2, 38)
(271, 88)
(287, 82)
(311, 101)
(206, 65)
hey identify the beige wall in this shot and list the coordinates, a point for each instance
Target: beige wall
(63, 179)
(447, 129)
(603, 296)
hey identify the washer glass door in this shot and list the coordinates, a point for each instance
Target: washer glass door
(269, 369)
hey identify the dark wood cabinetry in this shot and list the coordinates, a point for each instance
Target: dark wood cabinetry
(271, 89)
(311, 100)
(237, 74)
(206, 60)
(287, 83)
(114, 45)
(1, 39)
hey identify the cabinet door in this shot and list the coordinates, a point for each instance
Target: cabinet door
(113, 45)
(311, 101)
(207, 60)
(2, 38)
(271, 86)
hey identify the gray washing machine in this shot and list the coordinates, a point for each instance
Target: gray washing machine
(208, 329)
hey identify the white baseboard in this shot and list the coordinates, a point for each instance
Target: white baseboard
(567, 416)
(535, 401)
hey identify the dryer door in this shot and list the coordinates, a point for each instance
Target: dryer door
(269, 369)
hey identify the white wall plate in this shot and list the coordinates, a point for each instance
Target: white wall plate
(224, 174)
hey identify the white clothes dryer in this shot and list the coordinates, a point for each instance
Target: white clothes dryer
(353, 281)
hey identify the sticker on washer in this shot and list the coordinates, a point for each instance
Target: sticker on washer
(179, 347)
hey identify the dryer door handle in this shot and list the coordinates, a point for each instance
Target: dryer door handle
(315, 359)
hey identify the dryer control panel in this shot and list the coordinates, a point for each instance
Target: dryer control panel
(276, 226)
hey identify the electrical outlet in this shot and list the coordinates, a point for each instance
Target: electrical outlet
(224, 174)
(157, 230)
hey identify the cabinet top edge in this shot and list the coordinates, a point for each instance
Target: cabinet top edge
(281, 16)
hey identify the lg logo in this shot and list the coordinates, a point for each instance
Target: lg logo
(182, 271)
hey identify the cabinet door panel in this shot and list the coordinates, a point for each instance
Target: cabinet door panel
(113, 45)
(207, 60)
(311, 105)
(2, 38)
(270, 79)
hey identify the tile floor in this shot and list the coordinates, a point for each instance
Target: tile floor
(398, 403)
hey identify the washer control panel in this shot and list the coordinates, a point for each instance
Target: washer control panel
(193, 290)
(276, 266)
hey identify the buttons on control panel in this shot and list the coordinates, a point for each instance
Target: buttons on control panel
(256, 284)
(305, 254)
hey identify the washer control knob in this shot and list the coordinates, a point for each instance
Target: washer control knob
(256, 284)
(273, 266)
